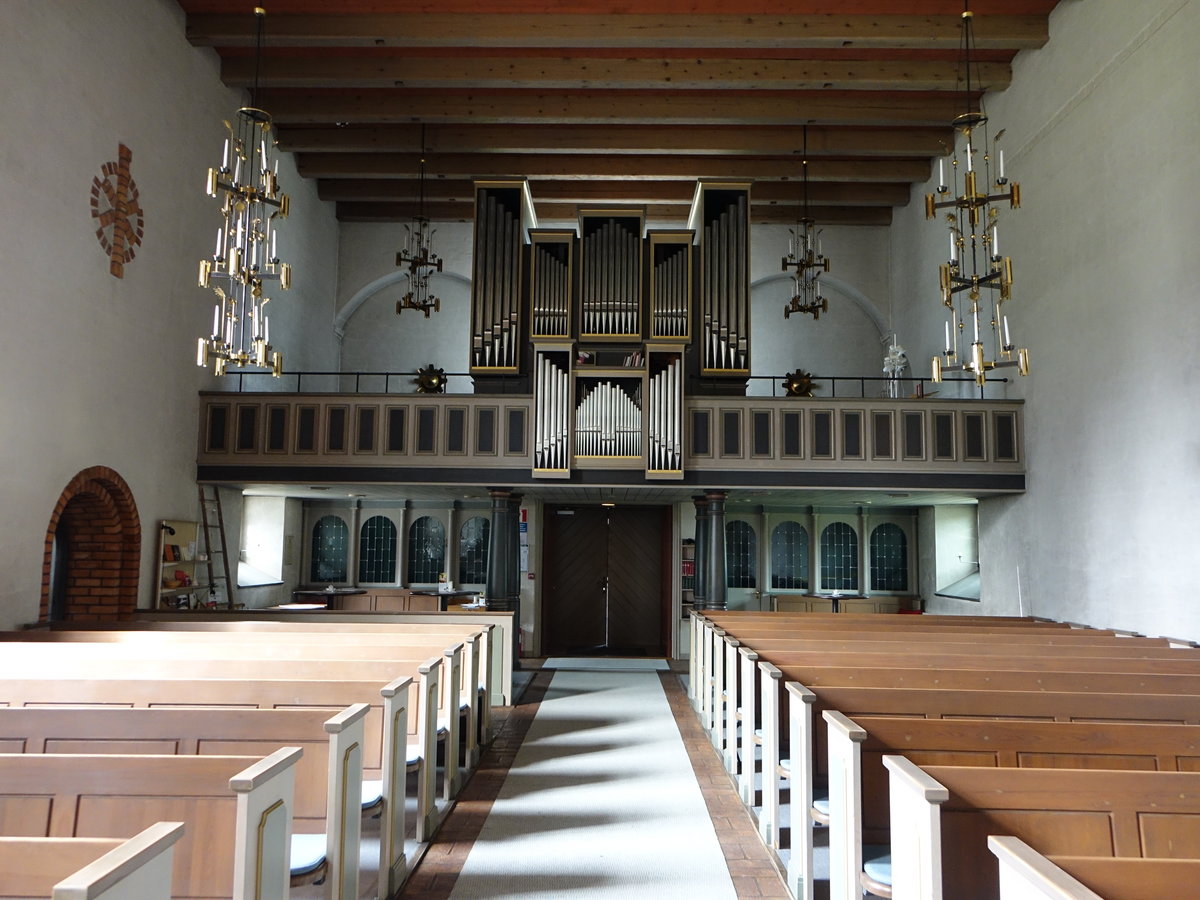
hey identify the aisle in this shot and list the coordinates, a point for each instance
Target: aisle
(601, 801)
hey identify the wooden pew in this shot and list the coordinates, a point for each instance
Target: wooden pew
(503, 634)
(326, 819)
(347, 648)
(138, 868)
(479, 643)
(237, 811)
(858, 784)
(934, 703)
(386, 724)
(1059, 812)
(1026, 874)
(113, 660)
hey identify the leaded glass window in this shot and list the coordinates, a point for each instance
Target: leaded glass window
(741, 555)
(889, 558)
(330, 541)
(473, 550)
(789, 556)
(426, 550)
(839, 558)
(377, 551)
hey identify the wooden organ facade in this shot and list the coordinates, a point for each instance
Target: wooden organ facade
(605, 323)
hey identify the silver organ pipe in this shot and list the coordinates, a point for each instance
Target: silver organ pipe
(551, 289)
(724, 289)
(551, 403)
(608, 422)
(495, 329)
(666, 422)
(611, 280)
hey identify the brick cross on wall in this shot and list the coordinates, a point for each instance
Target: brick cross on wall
(115, 205)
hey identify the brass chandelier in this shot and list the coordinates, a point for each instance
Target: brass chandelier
(246, 253)
(418, 255)
(804, 255)
(975, 264)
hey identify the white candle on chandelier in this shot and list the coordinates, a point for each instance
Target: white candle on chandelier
(220, 243)
(996, 241)
(216, 319)
(1001, 165)
(262, 154)
(947, 324)
(237, 170)
(975, 316)
(225, 156)
(1007, 339)
(941, 174)
(266, 330)
(953, 248)
(274, 255)
(970, 161)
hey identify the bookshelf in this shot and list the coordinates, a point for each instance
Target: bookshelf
(181, 577)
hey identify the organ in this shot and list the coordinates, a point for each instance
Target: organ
(608, 323)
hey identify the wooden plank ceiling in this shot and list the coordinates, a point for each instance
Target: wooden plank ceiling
(611, 101)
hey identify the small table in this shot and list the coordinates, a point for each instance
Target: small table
(444, 597)
(313, 595)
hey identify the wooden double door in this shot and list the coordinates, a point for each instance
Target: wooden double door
(606, 591)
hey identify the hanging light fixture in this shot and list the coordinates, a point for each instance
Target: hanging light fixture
(246, 253)
(418, 255)
(975, 264)
(804, 255)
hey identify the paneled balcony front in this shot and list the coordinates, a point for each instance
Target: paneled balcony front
(970, 447)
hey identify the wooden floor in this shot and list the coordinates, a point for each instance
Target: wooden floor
(750, 865)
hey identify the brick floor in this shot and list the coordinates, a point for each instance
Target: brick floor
(751, 866)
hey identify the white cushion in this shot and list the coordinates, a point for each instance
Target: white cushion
(308, 853)
(372, 793)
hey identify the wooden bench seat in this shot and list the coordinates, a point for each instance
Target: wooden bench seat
(273, 640)
(76, 661)
(858, 785)
(503, 634)
(138, 868)
(942, 817)
(237, 811)
(302, 656)
(1026, 874)
(328, 777)
(391, 716)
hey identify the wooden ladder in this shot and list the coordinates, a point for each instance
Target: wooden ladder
(210, 508)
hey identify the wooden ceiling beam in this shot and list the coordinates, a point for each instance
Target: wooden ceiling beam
(711, 140)
(380, 106)
(620, 191)
(589, 73)
(550, 213)
(629, 30)
(620, 168)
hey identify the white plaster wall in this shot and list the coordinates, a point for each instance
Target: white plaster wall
(1102, 134)
(376, 339)
(98, 370)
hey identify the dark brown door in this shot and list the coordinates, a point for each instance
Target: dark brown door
(604, 581)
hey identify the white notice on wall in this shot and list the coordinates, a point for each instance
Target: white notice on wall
(524, 559)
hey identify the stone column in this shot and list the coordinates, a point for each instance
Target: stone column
(700, 592)
(717, 595)
(498, 552)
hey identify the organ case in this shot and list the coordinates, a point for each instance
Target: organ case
(503, 218)
(720, 218)
(610, 274)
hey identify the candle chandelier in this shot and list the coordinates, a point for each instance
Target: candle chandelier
(804, 255)
(976, 264)
(418, 255)
(246, 253)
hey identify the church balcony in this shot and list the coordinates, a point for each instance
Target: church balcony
(970, 447)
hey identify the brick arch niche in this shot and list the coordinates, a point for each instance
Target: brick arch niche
(94, 540)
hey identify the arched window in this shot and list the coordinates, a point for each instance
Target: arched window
(839, 558)
(330, 540)
(426, 550)
(789, 556)
(889, 558)
(741, 555)
(377, 551)
(473, 550)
